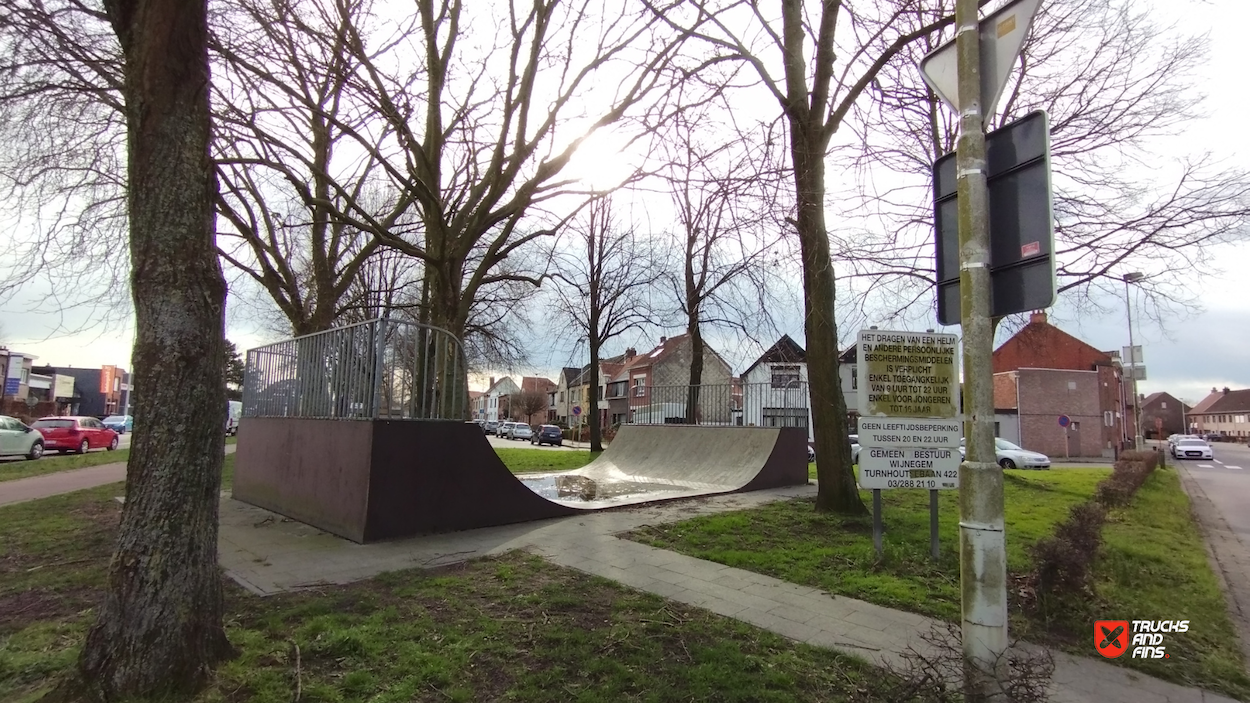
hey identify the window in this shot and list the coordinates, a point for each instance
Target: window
(25, 377)
(785, 376)
(785, 417)
(640, 386)
(854, 378)
(1108, 418)
(1241, 418)
(561, 396)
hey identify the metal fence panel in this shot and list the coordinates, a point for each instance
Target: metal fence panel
(376, 369)
(745, 405)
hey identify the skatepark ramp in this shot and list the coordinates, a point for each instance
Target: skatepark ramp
(369, 480)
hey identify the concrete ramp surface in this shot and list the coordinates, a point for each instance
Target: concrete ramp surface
(369, 480)
(646, 463)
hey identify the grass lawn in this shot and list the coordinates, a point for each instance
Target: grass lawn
(520, 461)
(11, 469)
(507, 628)
(1153, 567)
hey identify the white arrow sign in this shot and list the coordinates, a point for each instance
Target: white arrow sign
(1002, 37)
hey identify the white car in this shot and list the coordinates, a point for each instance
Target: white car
(1192, 449)
(521, 431)
(1011, 456)
(1173, 439)
(854, 439)
(504, 428)
(16, 439)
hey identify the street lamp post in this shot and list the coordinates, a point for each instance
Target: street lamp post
(1138, 441)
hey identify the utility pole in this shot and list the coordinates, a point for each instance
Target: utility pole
(1139, 442)
(982, 544)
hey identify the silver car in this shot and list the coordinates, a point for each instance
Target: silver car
(16, 439)
(521, 431)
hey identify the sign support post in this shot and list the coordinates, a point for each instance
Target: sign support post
(982, 546)
(876, 520)
(934, 550)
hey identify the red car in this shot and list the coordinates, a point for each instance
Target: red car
(75, 434)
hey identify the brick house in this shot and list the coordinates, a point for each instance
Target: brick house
(1042, 373)
(1162, 415)
(653, 387)
(1227, 416)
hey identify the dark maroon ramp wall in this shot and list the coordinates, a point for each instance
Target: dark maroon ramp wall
(316, 471)
(372, 480)
(442, 475)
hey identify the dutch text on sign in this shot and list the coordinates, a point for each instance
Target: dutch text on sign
(908, 432)
(907, 374)
(909, 467)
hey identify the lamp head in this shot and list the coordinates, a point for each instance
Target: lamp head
(1133, 277)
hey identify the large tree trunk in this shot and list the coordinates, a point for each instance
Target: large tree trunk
(696, 366)
(592, 394)
(836, 491)
(160, 627)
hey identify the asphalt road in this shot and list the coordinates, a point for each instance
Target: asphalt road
(1226, 481)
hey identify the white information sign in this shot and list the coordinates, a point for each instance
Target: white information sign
(909, 467)
(907, 374)
(909, 432)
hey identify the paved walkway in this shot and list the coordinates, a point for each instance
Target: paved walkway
(268, 554)
(35, 487)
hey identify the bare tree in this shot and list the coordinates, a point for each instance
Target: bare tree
(795, 58)
(1113, 82)
(608, 272)
(725, 196)
(62, 163)
(477, 150)
(531, 403)
(159, 630)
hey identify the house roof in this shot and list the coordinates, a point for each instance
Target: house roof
(1230, 402)
(1163, 396)
(785, 351)
(536, 383)
(569, 375)
(850, 356)
(1208, 401)
(1041, 345)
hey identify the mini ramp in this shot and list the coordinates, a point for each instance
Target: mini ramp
(382, 479)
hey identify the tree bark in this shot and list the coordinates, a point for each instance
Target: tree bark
(836, 491)
(159, 631)
(696, 363)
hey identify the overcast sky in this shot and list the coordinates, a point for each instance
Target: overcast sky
(1187, 357)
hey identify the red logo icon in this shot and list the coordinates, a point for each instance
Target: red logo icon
(1111, 637)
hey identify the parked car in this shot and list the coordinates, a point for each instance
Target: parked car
(1192, 449)
(521, 431)
(1174, 439)
(121, 424)
(1012, 456)
(505, 429)
(548, 434)
(75, 434)
(16, 439)
(854, 440)
(234, 412)
(491, 426)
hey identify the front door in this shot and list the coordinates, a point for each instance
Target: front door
(1074, 439)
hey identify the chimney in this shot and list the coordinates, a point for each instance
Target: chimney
(1225, 390)
(663, 340)
(1038, 317)
(630, 353)
(492, 383)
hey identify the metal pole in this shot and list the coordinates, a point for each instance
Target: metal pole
(982, 547)
(1138, 441)
(934, 549)
(876, 520)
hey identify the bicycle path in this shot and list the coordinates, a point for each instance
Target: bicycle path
(36, 487)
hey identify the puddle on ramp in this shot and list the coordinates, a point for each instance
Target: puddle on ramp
(580, 490)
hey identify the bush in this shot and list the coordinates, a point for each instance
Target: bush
(1064, 563)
